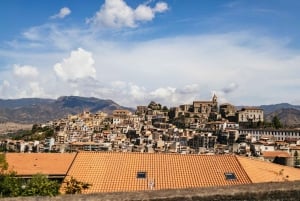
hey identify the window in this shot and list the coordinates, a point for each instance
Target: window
(141, 175)
(230, 176)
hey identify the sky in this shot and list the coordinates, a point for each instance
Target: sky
(173, 52)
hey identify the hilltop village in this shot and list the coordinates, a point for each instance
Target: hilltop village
(192, 146)
(202, 127)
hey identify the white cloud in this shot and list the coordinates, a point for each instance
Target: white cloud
(234, 65)
(117, 14)
(144, 13)
(79, 65)
(4, 89)
(63, 12)
(160, 7)
(25, 71)
(29, 90)
(114, 13)
(36, 90)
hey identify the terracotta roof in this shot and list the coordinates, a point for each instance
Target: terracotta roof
(261, 171)
(108, 172)
(44, 163)
(273, 154)
(297, 147)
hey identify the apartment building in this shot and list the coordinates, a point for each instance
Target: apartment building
(281, 134)
(250, 115)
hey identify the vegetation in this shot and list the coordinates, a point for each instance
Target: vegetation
(36, 133)
(38, 185)
(74, 186)
(276, 122)
(3, 163)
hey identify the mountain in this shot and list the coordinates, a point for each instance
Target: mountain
(289, 115)
(272, 108)
(36, 110)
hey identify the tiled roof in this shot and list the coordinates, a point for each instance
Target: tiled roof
(261, 171)
(108, 172)
(273, 154)
(44, 163)
(297, 147)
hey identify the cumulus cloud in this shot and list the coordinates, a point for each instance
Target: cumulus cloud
(79, 65)
(189, 89)
(4, 88)
(117, 14)
(36, 90)
(191, 67)
(29, 90)
(164, 95)
(63, 12)
(160, 7)
(25, 71)
(230, 88)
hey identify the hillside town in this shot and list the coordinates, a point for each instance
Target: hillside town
(201, 127)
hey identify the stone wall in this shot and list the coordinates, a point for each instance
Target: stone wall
(264, 191)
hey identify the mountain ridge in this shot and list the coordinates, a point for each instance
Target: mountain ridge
(38, 110)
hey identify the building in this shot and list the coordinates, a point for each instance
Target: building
(199, 112)
(228, 111)
(53, 165)
(250, 115)
(121, 116)
(278, 134)
(116, 172)
(127, 172)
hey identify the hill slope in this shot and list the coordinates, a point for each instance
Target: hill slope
(287, 116)
(274, 107)
(35, 110)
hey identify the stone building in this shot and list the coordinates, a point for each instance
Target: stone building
(228, 111)
(250, 114)
(197, 112)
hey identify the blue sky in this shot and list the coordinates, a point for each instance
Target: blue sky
(134, 51)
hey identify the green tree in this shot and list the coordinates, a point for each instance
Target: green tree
(40, 185)
(74, 186)
(276, 122)
(3, 163)
(10, 185)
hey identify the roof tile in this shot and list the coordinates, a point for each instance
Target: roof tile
(44, 163)
(108, 172)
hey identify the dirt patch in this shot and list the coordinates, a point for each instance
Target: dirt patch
(8, 127)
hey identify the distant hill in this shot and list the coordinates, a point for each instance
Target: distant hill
(289, 115)
(272, 108)
(36, 110)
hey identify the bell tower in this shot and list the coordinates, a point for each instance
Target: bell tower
(214, 98)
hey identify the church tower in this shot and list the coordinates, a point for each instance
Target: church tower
(215, 99)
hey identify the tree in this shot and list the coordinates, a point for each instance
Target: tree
(276, 122)
(74, 186)
(40, 185)
(3, 163)
(10, 185)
